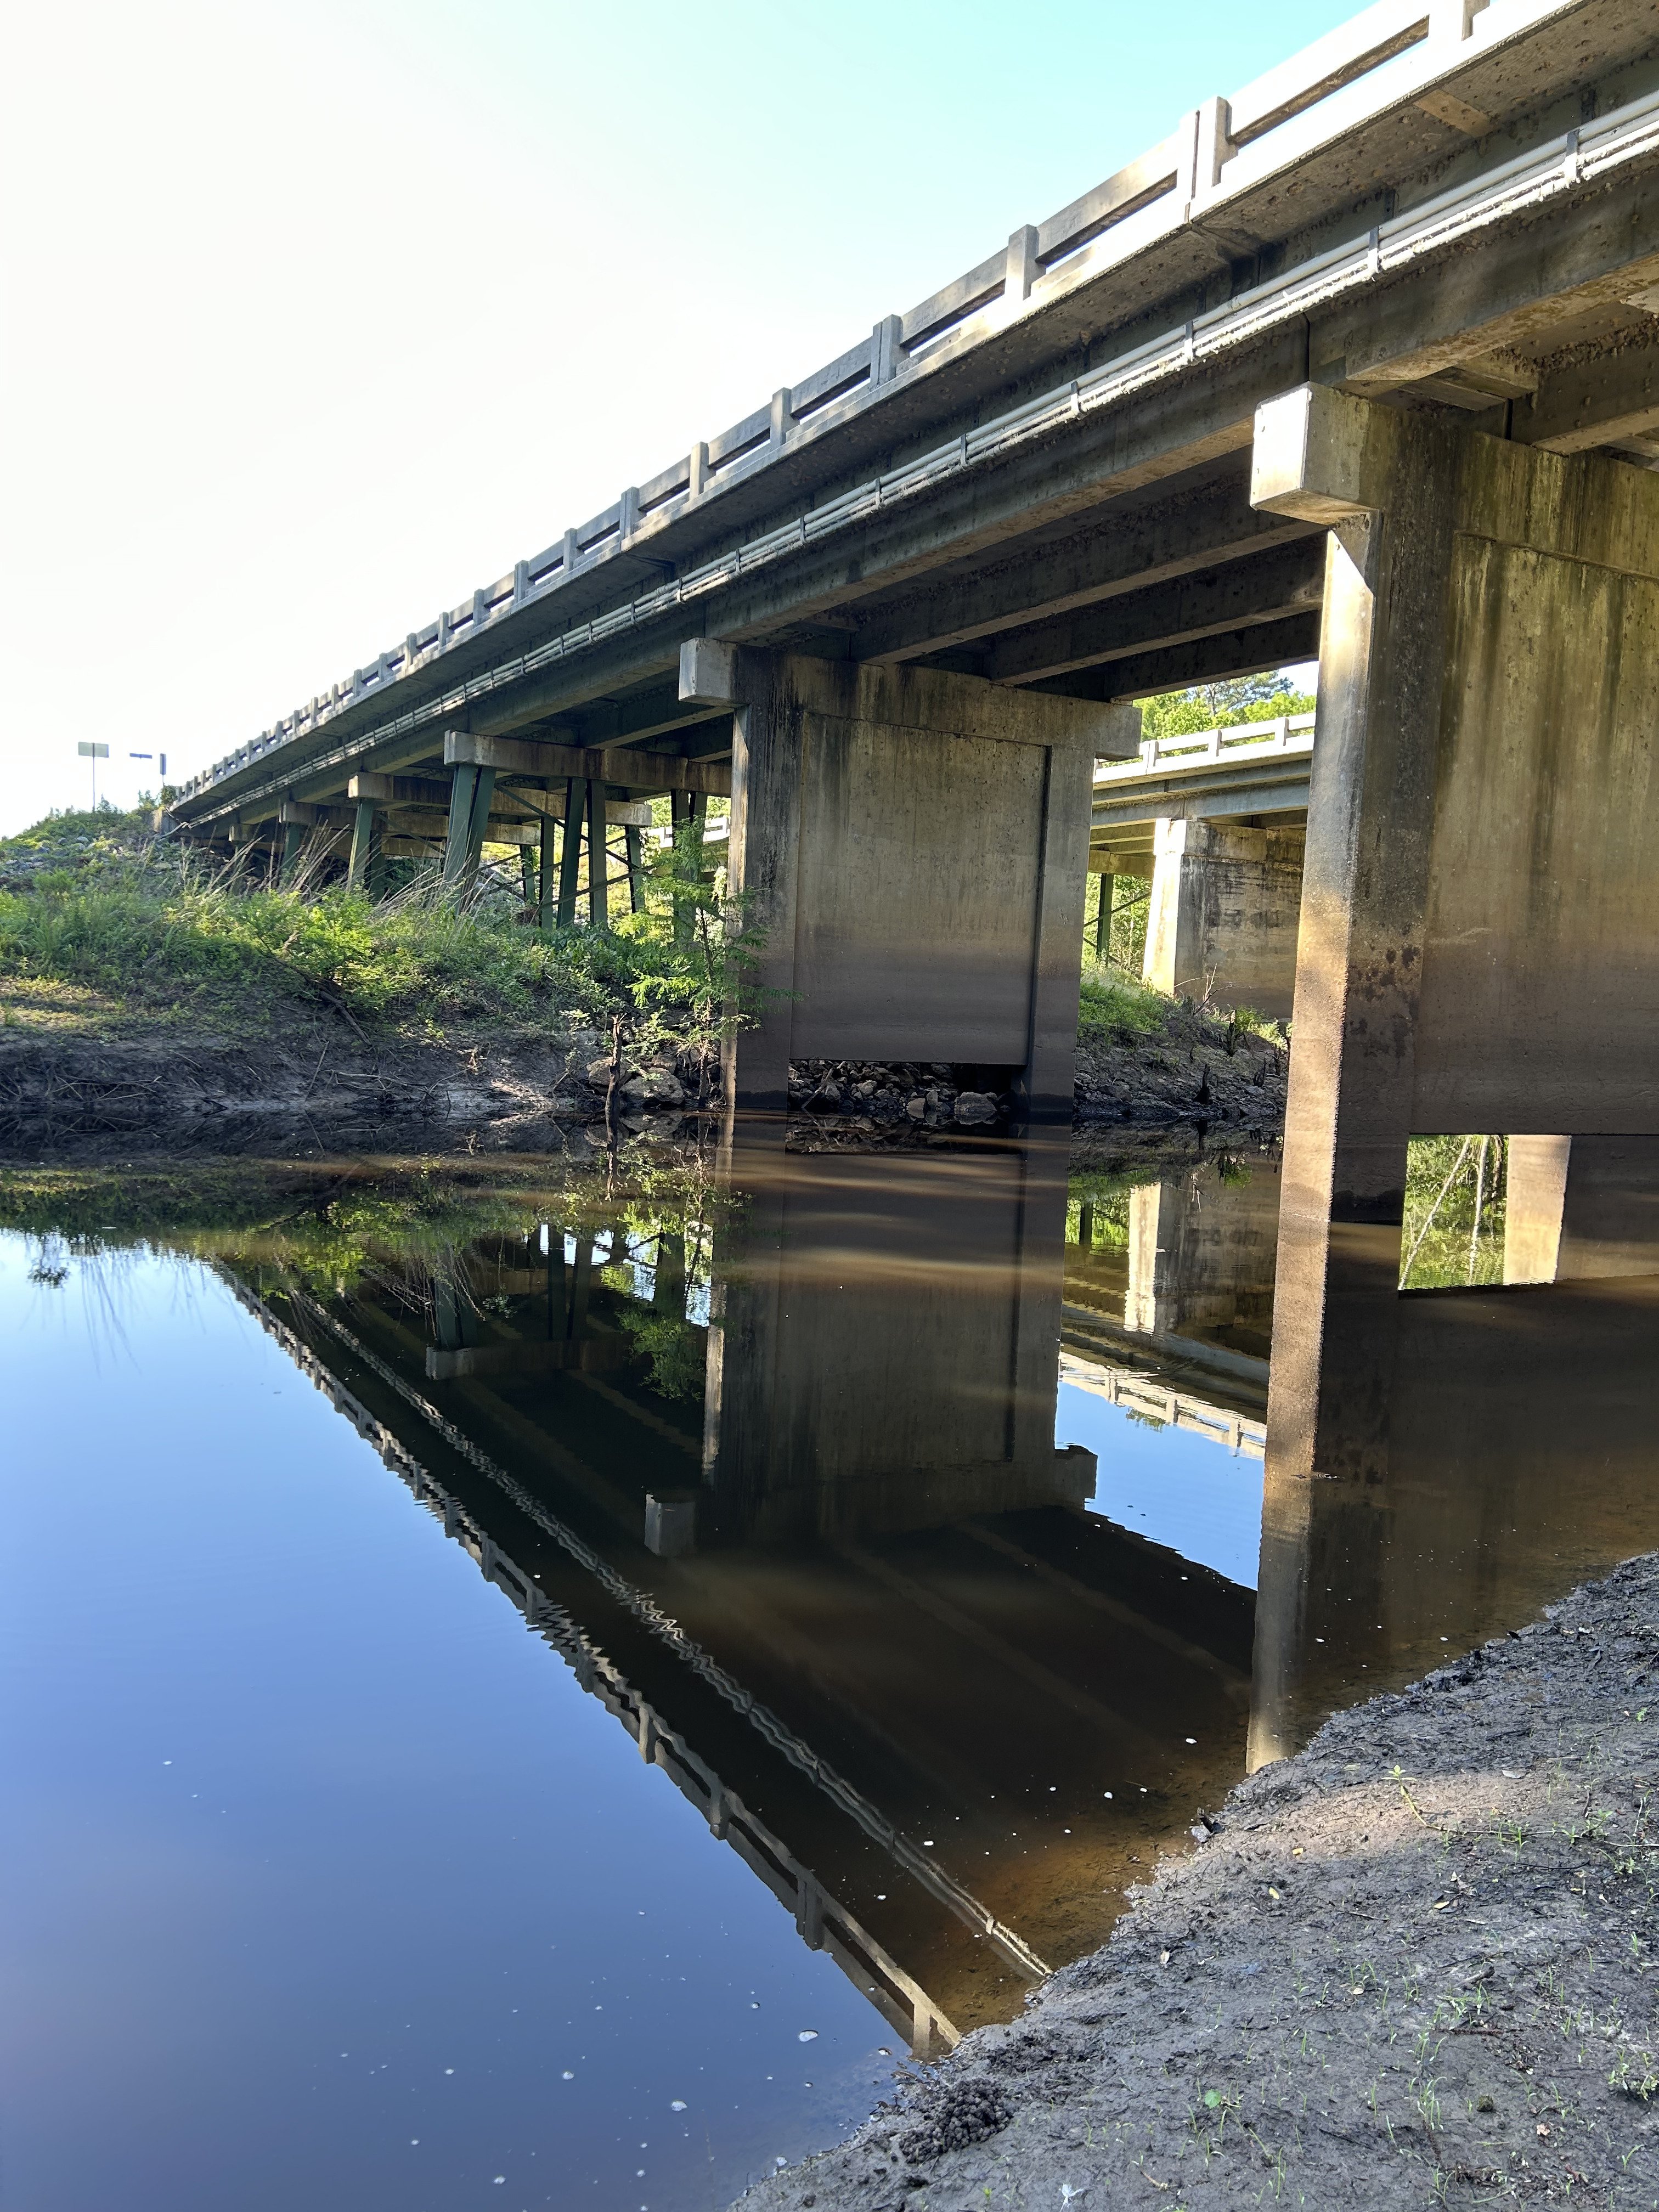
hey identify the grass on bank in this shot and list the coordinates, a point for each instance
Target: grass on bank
(99, 919)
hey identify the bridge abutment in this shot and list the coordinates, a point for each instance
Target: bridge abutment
(1480, 895)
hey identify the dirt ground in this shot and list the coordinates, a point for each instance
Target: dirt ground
(1413, 1966)
(83, 1079)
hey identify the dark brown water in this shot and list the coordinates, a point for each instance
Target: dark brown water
(531, 1693)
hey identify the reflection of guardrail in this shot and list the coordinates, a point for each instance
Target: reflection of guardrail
(1226, 147)
(1245, 745)
(1154, 1400)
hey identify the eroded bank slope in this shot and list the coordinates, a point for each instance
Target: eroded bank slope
(1413, 1966)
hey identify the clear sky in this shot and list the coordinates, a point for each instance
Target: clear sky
(316, 316)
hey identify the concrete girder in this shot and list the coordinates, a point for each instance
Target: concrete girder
(1272, 587)
(1250, 651)
(641, 771)
(1148, 545)
(1522, 285)
(1611, 399)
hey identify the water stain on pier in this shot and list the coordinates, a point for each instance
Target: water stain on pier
(941, 1642)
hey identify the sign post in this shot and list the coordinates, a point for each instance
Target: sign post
(95, 754)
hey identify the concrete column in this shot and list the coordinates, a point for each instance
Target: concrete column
(470, 795)
(293, 843)
(547, 875)
(1222, 921)
(894, 927)
(570, 859)
(363, 845)
(1535, 1185)
(1577, 1208)
(1480, 895)
(633, 843)
(598, 859)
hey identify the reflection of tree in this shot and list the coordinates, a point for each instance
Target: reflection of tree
(674, 1348)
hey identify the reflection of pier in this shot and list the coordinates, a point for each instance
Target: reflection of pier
(823, 1922)
(1172, 1323)
(1519, 1427)
(948, 1723)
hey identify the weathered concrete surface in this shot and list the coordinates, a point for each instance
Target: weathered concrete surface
(1480, 898)
(1222, 925)
(1579, 1207)
(852, 1295)
(913, 848)
(1408, 1967)
(1201, 1254)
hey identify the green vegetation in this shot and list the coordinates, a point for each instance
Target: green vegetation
(130, 927)
(1115, 1004)
(1453, 1222)
(1222, 706)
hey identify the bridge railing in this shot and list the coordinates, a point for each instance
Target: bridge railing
(1217, 149)
(1198, 749)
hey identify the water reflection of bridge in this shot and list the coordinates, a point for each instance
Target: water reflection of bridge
(897, 1673)
(844, 1595)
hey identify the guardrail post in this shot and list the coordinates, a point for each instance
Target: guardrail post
(1214, 146)
(781, 417)
(1024, 267)
(886, 349)
(629, 514)
(571, 550)
(1451, 21)
(480, 611)
(699, 470)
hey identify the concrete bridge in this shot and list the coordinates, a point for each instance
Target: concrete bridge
(1360, 363)
(1255, 397)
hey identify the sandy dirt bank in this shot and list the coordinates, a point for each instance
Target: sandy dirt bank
(1413, 1966)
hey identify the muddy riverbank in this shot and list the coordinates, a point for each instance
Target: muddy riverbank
(85, 1089)
(1414, 1966)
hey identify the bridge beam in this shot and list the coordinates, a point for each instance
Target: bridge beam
(913, 848)
(1481, 889)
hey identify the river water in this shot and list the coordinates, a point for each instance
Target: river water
(534, 1687)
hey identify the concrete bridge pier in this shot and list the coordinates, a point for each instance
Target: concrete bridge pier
(1481, 897)
(911, 848)
(1221, 926)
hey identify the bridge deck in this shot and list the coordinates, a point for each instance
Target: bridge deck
(1038, 475)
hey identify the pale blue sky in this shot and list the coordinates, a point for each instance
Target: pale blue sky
(316, 317)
